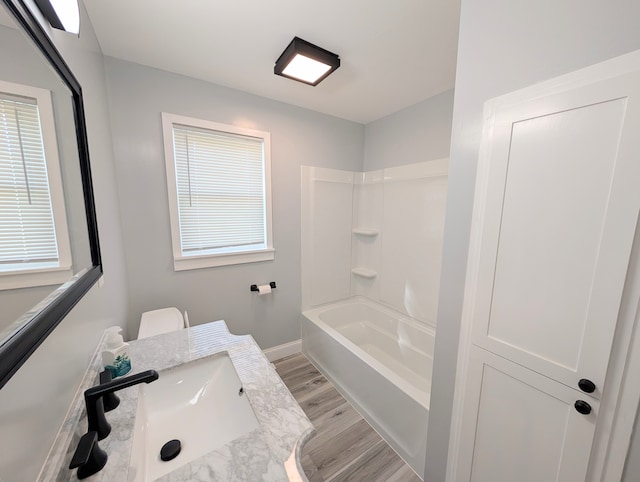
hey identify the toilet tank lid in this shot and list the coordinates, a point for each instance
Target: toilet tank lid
(160, 321)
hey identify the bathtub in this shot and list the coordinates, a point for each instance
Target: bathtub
(380, 361)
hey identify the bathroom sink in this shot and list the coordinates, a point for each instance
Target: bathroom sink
(202, 404)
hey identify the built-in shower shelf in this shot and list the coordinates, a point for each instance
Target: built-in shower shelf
(365, 231)
(364, 273)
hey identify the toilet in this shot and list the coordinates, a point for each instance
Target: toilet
(156, 322)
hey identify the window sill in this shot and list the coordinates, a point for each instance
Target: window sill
(33, 278)
(184, 263)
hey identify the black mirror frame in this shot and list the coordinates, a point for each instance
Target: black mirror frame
(18, 348)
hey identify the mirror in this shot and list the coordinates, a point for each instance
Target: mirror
(49, 252)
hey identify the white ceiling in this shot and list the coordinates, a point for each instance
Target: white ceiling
(394, 53)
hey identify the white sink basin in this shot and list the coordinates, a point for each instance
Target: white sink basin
(199, 403)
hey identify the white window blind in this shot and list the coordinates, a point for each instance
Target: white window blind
(219, 186)
(221, 190)
(27, 229)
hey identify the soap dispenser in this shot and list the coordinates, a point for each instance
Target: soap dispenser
(115, 357)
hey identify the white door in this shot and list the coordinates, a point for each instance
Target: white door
(559, 197)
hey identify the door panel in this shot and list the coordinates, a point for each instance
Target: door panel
(558, 228)
(525, 427)
(559, 175)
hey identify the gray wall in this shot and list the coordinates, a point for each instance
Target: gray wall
(418, 133)
(504, 46)
(632, 466)
(137, 96)
(34, 402)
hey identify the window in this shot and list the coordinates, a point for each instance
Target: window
(34, 241)
(219, 184)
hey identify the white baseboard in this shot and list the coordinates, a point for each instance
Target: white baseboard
(281, 351)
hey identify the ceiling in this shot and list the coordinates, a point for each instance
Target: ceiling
(394, 53)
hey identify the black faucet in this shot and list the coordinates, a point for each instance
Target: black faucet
(93, 399)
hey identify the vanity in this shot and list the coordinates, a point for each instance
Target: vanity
(240, 422)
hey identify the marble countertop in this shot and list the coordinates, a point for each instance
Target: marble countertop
(269, 453)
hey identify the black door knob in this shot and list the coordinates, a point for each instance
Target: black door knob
(583, 407)
(587, 386)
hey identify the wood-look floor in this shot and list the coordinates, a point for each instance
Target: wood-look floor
(344, 447)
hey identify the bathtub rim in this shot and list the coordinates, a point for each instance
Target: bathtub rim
(421, 397)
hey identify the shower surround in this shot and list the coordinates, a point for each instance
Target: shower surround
(371, 249)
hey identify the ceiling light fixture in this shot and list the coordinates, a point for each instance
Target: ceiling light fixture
(305, 62)
(61, 14)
